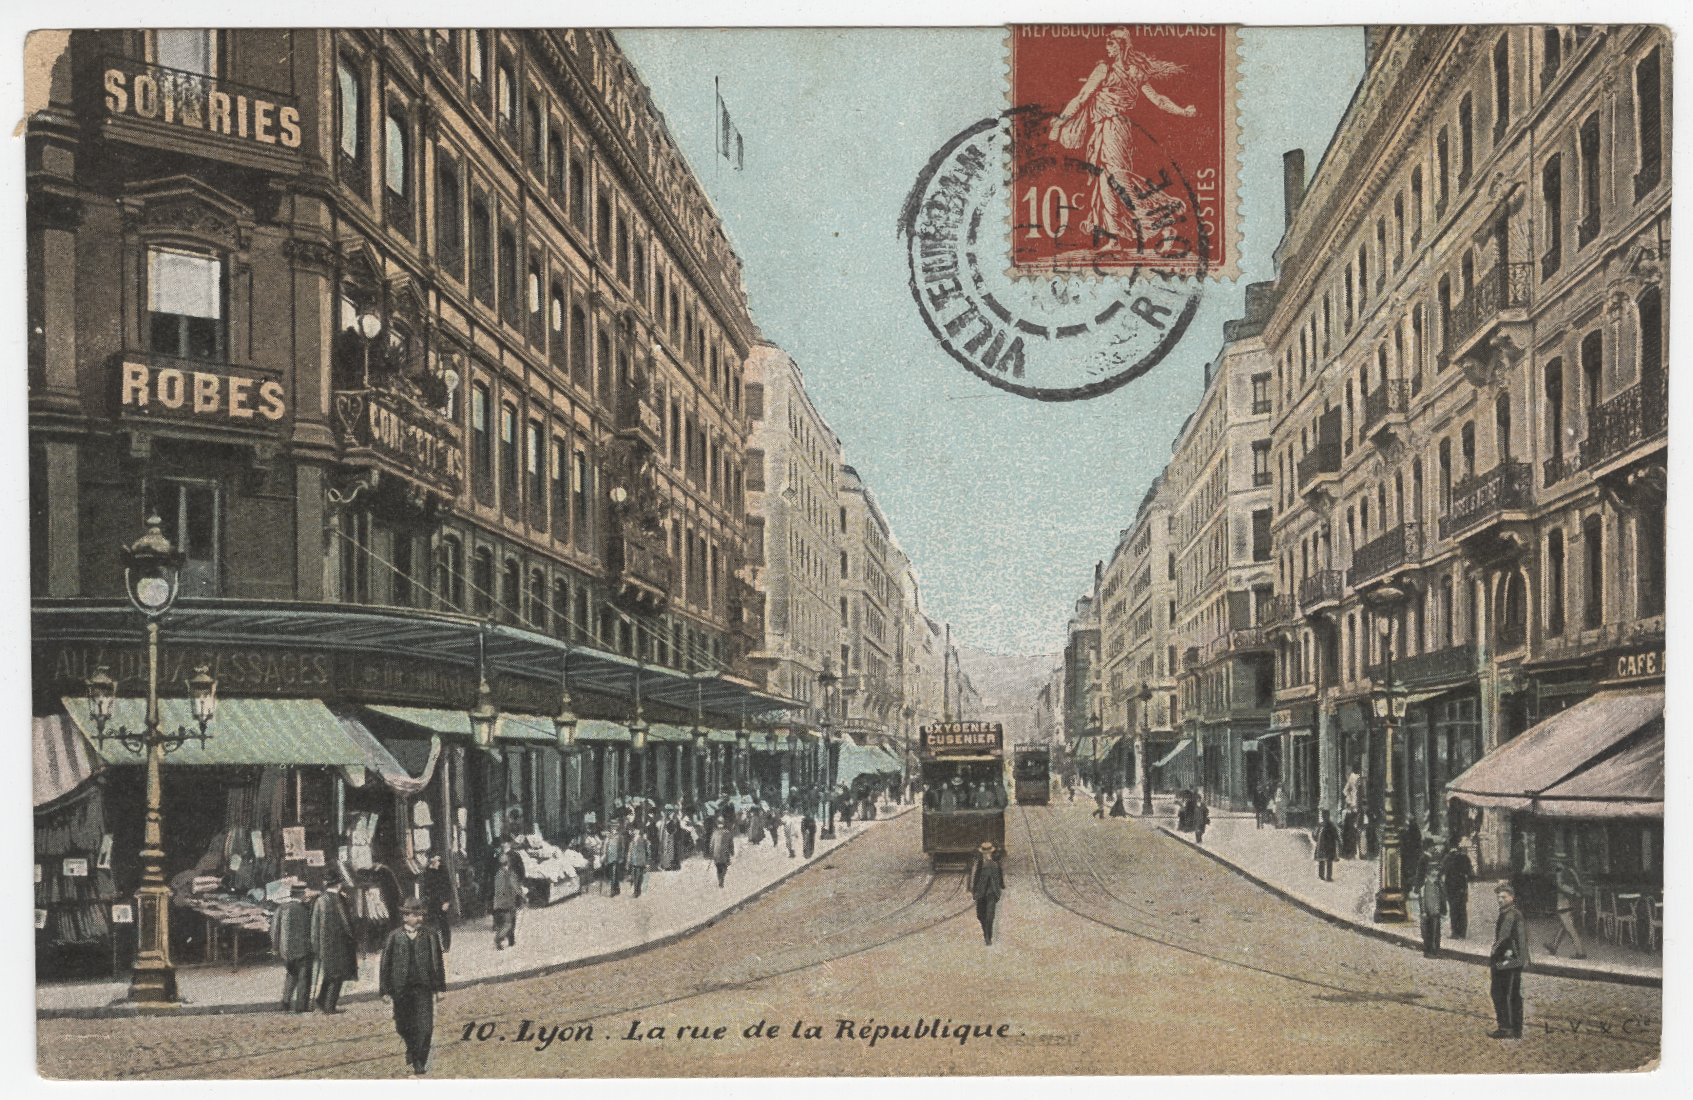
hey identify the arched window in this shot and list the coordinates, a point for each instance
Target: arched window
(555, 166)
(538, 601)
(532, 299)
(396, 161)
(580, 371)
(511, 591)
(1555, 583)
(511, 490)
(603, 225)
(556, 344)
(1502, 427)
(350, 107)
(449, 574)
(449, 219)
(482, 251)
(1513, 619)
(536, 138)
(508, 275)
(578, 194)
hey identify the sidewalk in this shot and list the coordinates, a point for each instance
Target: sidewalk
(1280, 861)
(579, 931)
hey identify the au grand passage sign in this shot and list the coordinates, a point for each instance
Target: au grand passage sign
(289, 673)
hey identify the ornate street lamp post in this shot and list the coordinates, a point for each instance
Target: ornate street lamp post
(484, 716)
(638, 738)
(151, 576)
(1387, 703)
(826, 680)
(564, 724)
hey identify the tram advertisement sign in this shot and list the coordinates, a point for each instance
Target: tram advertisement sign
(964, 738)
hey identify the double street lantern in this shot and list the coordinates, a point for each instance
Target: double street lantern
(484, 716)
(1389, 707)
(152, 576)
(564, 723)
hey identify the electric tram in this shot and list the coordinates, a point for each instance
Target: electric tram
(1031, 773)
(963, 788)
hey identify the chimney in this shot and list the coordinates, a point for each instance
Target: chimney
(1293, 182)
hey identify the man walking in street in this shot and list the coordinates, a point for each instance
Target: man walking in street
(291, 939)
(1458, 870)
(1431, 900)
(1201, 818)
(808, 834)
(640, 854)
(413, 979)
(334, 945)
(723, 848)
(1325, 846)
(616, 853)
(508, 894)
(1099, 802)
(1508, 958)
(790, 829)
(987, 883)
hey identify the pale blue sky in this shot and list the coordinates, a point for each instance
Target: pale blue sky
(1002, 503)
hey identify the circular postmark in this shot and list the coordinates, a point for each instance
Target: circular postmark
(1077, 332)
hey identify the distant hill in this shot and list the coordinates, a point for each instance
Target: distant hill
(1008, 687)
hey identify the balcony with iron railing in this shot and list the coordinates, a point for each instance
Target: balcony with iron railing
(1320, 588)
(641, 566)
(1323, 459)
(1559, 467)
(1231, 642)
(1280, 609)
(1499, 297)
(386, 426)
(1386, 406)
(1427, 669)
(1403, 545)
(1478, 502)
(1617, 426)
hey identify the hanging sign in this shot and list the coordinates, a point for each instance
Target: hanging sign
(76, 868)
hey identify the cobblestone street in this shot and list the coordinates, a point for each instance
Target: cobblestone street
(1120, 952)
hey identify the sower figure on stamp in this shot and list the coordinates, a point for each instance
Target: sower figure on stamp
(335, 945)
(1123, 209)
(291, 939)
(413, 979)
(1509, 957)
(987, 883)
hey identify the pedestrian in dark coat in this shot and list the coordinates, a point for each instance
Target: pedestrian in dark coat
(291, 939)
(413, 978)
(1099, 802)
(1430, 888)
(1411, 843)
(1325, 846)
(508, 895)
(616, 854)
(334, 945)
(1201, 818)
(436, 888)
(1506, 963)
(1458, 871)
(723, 849)
(808, 834)
(987, 883)
(1261, 806)
(640, 855)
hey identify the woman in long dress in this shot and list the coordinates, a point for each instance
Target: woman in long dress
(1123, 209)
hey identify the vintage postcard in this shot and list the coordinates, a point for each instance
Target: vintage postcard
(1049, 549)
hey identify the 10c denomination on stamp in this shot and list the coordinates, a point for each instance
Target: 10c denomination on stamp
(1123, 157)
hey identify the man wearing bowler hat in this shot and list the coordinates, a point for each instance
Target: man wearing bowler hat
(413, 978)
(987, 883)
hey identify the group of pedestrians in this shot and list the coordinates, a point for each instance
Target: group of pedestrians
(315, 938)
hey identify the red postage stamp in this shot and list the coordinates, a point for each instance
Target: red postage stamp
(1123, 150)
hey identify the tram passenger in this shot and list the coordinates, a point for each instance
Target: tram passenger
(947, 800)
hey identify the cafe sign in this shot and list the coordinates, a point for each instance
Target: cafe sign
(1646, 664)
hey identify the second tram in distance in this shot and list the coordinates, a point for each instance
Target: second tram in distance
(1031, 773)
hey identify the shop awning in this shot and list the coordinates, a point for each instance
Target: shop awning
(1105, 745)
(246, 731)
(857, 760)
(1181, 745)
(1596, 759)
(64, 760)
(381, 760)
(1082, 748)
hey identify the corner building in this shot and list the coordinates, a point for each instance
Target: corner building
(1469, 409)
(422, 345)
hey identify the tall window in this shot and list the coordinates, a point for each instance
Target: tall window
(1448, 629)
(1442, 169)
(1555, 410)
(1446, 475)
(556, 343)
(560, 490)
(535, 461)
(1592, 357)
(1649, 121)
(561, 607)
(1589, 227)
(1466, 140)
(509, 301)
(350, 116)
(1501, 85)
(396, 176)
(1552, 199)
(555, 166)
(623, 249)
(578, 194)
(1416, 205)
(1650, 308)
(189, 51)
(481, 445)
(534, 301)
(482, 251)
(537, 615)
(1416, 371)
(511, 490)
(603, 225)
(479, 68)
(1555, 583)
(1649, 548)
(189, 516)
(1467, 442)
(185, 304)
(1593, 551)
(449, 219)
(449, 573)
(1502, 427)
(482, 582)
(1553, 50)
(602, 369)
(511, 591)
(1513, 615)
(505, 97)
(580, 369)
(580, 488)
(536, 139)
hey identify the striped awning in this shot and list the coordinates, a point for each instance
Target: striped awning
(246, 731)
(379, 759)
(64, 760)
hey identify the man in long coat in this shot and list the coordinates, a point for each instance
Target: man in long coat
(1458, 870)
(987, 883)
(1325, 846)
(335, 945)
(723, 848)
(1430, 888)
(291, 939)
(437, 891)
(413, 978)
(1507, 960)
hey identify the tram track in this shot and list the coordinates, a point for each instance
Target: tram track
(851, 928)
(1111, 910)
